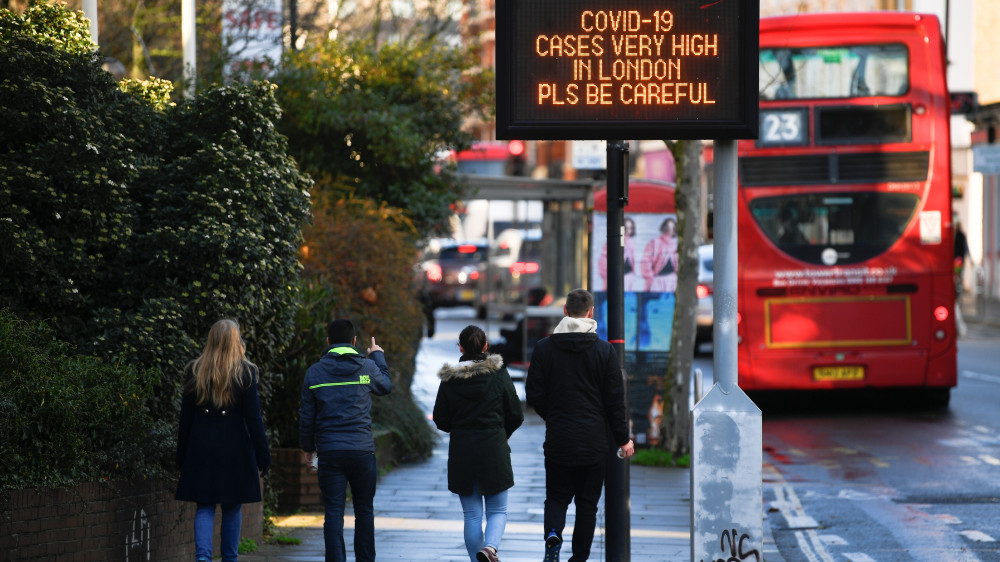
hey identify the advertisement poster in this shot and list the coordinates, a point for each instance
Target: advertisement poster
(650, 278)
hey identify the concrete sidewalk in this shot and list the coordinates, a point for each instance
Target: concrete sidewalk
(418, 519)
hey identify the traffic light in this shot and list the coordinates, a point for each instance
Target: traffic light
(516, 165)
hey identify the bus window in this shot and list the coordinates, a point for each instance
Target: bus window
(858, 225)
(833, 72)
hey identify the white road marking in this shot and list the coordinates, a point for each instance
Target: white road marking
(819, 547)
(858, 557)
(977, 536)
(990, 460)
(948, 519)
(981, 377)
(787, 502)
(833, 540)
(800, 537)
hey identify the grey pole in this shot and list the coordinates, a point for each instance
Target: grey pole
(90, 9)
(616, 486)
(725, 361)
(188, 42)
(726, 427)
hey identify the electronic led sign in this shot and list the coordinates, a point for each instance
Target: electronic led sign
(627, 69)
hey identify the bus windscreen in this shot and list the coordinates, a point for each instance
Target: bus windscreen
(833, 72)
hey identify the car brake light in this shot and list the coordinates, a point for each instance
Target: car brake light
(474, 275)
(703, 291)
(467, 249)
(524, 267)
(941, 313)
(434, 272)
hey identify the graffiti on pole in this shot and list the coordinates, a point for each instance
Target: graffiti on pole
(733, 547)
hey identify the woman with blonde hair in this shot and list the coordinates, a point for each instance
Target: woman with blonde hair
(222, 449)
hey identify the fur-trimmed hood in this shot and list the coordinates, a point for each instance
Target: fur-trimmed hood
(469, 369)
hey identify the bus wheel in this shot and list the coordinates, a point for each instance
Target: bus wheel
(937, 398)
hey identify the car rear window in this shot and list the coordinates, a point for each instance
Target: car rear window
(470, 252)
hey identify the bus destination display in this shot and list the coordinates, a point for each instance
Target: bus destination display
(576, 69)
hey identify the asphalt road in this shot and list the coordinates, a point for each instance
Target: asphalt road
(867, 477)
(874, 478)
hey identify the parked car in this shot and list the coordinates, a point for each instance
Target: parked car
(450, 272)
(514, 269)
(705, 297)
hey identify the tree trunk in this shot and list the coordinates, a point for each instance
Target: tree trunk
(676, 418)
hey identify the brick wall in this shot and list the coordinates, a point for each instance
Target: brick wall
(106, 521)
(298, 485)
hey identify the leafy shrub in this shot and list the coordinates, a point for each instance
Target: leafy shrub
(375, 118)
(246, 546)
(659, 457)
(51, 24)
(135, 224)
(357, 264)
(69, 417)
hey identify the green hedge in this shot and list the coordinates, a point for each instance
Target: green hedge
(132, 223)
(68, 417)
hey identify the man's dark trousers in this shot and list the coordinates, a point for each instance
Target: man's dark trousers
(563, 484)
(336, 470)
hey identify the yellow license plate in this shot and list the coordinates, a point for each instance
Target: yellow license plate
(839, 373)
(467, 295)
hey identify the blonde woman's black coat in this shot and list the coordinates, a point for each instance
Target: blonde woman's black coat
(477, 404)
(220, 450)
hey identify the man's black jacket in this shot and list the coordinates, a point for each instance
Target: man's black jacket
(575, 384)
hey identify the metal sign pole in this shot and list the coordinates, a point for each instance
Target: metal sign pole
(726, 474)
(616, 486)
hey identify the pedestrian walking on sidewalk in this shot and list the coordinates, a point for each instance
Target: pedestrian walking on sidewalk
(477, 404)
(335, 424)
(575, 384)
(222, 449)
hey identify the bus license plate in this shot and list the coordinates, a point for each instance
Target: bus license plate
(839, 373)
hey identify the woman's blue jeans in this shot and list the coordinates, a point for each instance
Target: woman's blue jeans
(204, 522)
(496, 520)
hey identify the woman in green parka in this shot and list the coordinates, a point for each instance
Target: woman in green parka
(477, 404)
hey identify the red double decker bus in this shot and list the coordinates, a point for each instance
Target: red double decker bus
(845, 224)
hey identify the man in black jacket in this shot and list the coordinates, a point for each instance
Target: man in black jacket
(575, 384)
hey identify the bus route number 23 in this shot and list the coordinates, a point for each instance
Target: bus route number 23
(781, 127)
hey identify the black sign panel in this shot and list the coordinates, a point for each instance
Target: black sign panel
(627, 69)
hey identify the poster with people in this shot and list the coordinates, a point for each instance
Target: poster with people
(649, 270)
(650, 258)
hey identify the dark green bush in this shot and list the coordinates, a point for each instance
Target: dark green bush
(374, 117)
(135, 224)
(68, 417)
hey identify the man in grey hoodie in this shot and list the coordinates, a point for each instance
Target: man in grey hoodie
(575, 384)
